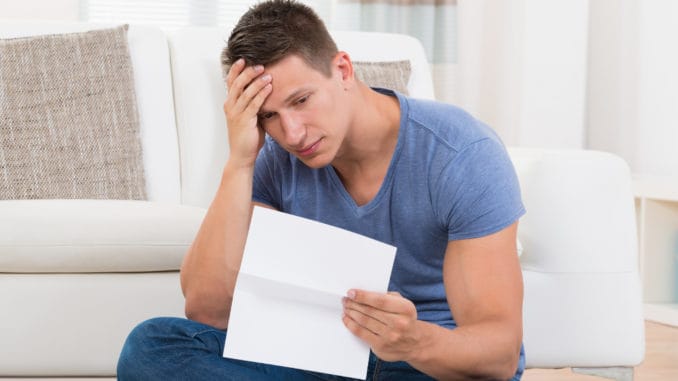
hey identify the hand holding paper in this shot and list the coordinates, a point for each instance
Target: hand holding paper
(287, 307)
(387, 322)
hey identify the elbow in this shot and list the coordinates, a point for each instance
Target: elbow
(503, 365)
(507, 372)
(199, 312)
(503, 372)
(207, 319)
(509, 355)
(206, 302)
(507, 367)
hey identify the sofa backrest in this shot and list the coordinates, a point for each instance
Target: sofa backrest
(153, 84)
(199, 94)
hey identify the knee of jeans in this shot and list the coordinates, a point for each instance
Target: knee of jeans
(140, 341)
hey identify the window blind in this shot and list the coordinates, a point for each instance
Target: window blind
(173, 14)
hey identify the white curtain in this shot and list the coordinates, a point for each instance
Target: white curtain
(523, 68)
(594, 74)
(633, 83)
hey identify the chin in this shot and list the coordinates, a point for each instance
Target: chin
(315, 162)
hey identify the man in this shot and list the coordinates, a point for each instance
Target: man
(422, 176)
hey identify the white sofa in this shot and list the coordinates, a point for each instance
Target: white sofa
(77, 275)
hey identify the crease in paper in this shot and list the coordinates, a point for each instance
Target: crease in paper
(290, 292)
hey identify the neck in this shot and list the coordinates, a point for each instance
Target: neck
(373, 135)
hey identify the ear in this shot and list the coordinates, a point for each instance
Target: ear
(343, 65)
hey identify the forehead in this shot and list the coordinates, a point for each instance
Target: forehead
(290, 65)
(289, 76)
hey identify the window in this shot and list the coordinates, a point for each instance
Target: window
(173, 14)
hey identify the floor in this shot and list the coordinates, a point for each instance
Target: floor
(661, 361)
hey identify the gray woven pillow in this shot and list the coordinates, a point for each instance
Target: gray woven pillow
(68, 118)
(392, 75)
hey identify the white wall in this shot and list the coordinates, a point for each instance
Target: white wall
(633, 83)
(657, 115)
(62, 10)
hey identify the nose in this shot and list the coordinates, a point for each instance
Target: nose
(293, 129)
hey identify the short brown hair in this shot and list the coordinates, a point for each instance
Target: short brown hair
(274, 29)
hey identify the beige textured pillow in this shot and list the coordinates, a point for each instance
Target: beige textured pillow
(392, 75)
(69, 124)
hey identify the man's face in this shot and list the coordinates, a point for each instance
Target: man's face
(306, 112)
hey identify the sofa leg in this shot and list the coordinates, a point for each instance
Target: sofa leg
(617, 373)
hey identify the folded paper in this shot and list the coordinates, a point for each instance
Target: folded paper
(287, 306)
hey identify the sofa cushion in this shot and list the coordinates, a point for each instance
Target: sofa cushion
(94, 236)
(69, 126)
(392, 75)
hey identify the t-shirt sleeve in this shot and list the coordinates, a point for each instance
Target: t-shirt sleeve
(478, 192)
(265, 188)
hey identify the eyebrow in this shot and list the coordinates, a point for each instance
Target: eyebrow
(287, 100)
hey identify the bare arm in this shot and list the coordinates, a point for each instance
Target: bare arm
(210, 267)
(483, 282)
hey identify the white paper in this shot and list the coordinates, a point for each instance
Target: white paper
(287, 304)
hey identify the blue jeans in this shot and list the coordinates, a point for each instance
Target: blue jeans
(180, 349)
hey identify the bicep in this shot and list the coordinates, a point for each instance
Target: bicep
(483, 279)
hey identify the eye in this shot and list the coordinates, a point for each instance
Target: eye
(266, 115)
(302, 99)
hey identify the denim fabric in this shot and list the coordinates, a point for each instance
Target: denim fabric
(170, 348)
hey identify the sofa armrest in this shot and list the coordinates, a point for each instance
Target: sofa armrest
(580, 211)
(582, 305)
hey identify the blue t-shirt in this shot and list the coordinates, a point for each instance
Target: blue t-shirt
(450, 178)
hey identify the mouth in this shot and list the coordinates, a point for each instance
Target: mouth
(309, 150)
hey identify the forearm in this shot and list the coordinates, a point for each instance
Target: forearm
(485, 351)
(210, 268)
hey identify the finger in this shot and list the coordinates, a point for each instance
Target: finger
(233, 72)
(364, 309)
(233, 86)
(237, 98)
(361, 332)
(256, 102)
(385, 302)
(250, 98)
(366, 317)
(243, 79)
